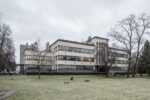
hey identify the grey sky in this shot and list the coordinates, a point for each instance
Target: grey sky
(67, 19)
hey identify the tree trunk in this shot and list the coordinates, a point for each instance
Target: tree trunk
(3, 72)
(141, 75)
(39, 72)
(137, 58)
(107, 72)
(134, 69)
(98, 69)
(129, 66)
(128, 73)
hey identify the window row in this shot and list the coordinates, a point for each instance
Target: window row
(121, 62)
(73, 49)
(119, 68)
(34, 57)
(74, 58)
(34, 68)
(121, 55)
(73, 67)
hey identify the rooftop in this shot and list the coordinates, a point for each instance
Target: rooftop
(100, 38)
(117, 49)
(72, 42)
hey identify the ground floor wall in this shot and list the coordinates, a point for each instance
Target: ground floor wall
(68, 68)
(74, 68)
(113, 69)
(55, 68)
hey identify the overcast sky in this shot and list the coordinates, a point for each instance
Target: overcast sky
(65, 19)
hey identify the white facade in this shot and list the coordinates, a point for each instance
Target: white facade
(120, 61)
(64, 55)
(61, 48)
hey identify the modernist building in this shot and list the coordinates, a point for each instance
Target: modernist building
(71, 56)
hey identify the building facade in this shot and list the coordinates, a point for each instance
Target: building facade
(71, 56)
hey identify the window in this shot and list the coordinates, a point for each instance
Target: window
(121, 55)
(73, 49)
(75, 58)
(59, 47)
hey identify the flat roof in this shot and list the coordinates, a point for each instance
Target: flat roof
(72, 42)
(100, 38)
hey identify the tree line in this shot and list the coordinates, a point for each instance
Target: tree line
(130, 32)
(144, 60)
(7, 49)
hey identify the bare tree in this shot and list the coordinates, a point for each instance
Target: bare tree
(106, 57)
(130, 33)
(10, 56)
(7, 50)
(40, 56)
(142, 25)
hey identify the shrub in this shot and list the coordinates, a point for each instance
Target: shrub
(141, 69)
(64, 73)
(148, 69)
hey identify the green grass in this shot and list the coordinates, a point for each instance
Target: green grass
(53, 88)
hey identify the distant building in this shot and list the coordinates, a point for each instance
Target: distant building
(71, 56)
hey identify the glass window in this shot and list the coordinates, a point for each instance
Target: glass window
(59, 47)
(72, 49)
(75, 58)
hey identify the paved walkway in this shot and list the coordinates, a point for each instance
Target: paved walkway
(4, 94)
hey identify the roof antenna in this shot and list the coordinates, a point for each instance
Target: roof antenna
(1, 18)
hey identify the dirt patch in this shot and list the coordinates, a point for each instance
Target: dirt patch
(4, 94)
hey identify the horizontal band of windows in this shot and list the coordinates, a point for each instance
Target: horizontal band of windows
(77, 67)
(119, 68)
(74, 58)
(120, 55)
(73, 49)
(121, 62)
(35, 68)
(34, 57)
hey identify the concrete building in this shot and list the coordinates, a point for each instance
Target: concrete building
(71, 56)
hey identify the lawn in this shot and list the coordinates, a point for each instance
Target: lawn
(98, 88)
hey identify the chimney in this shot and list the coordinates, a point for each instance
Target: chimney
(27, 43)
(47, 46)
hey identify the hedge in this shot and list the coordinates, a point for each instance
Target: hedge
(64, 73)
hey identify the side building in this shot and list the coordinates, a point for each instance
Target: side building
(121, 60)
(29, 59)
(121, 56)
(72, 56)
